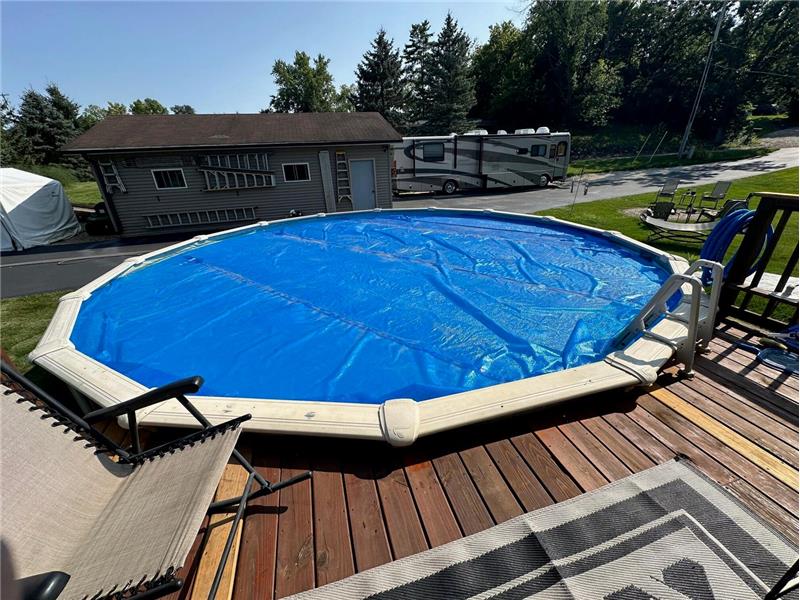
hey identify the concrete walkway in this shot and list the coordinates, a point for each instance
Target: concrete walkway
(69, 267)
(608, 185)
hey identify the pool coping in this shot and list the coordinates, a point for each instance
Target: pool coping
(399, 421)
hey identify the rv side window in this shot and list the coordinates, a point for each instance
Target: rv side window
(539, 150)
(433, 152)
(562, 148)
(552, 151)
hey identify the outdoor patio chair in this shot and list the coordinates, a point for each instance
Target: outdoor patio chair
(728, 207)
(716, 195)
(83, 517)
(660, 210)
(668, 190)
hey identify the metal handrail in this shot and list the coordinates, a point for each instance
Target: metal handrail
(697, 332)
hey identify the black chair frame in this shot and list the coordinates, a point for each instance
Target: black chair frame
(177, 390)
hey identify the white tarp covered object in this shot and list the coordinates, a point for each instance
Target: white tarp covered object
(34, 210)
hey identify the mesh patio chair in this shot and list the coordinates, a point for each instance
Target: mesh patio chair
(668, 190)
(730, 205)
(716, 195)
(83, 517)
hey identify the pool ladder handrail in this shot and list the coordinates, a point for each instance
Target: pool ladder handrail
(699, 332)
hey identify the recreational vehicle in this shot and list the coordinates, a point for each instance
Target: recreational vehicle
(478, 160)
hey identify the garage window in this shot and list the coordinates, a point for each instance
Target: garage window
(296, 172)
(433, 152)
(169, 179)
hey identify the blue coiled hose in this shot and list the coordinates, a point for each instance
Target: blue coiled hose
(722, 236)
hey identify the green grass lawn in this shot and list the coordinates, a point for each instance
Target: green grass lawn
(80, 193)
(764, 124)
(606, 165)
(22, 322)
(609, 214)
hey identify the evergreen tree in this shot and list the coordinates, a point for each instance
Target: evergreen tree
(451, 85)
(379, 85)
(416, 66)
(46, 122)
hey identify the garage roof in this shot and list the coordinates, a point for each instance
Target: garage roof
(148, 132)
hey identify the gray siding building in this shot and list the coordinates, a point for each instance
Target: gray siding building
(166, 173)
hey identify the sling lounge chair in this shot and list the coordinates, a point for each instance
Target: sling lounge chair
(716, 195)
(661, 229)
(82, 517)
(668, 190)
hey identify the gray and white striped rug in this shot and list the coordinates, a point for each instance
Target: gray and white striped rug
(667, 533)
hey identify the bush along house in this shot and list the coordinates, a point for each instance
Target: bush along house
(167, 173)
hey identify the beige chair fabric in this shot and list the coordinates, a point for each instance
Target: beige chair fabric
(64, 508)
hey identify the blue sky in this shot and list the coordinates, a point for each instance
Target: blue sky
(216, 56)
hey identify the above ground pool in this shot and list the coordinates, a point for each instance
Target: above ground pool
(359, 310)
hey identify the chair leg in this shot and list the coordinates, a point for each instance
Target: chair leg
(229, 542)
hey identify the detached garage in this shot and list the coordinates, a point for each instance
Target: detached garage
(34, 211)
(165, 173)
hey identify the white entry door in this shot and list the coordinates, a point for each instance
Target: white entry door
(362, 175)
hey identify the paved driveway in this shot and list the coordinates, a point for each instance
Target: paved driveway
(610, 185)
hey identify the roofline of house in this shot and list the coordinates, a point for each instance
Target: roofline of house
(131, 149)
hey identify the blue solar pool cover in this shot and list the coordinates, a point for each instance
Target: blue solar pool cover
(368, 307)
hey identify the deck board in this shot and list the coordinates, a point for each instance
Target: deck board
(736, 421)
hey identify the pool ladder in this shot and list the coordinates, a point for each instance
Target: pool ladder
(699, 323)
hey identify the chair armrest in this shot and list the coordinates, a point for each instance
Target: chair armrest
(46, 586)
(181, 387)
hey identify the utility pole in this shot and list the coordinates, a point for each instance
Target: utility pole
(703, 79)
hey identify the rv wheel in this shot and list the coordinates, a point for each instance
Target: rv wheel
(449, 187)
(544, 180)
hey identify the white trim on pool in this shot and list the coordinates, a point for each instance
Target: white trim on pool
(399, 421)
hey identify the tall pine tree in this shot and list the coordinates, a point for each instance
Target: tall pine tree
(416, 66)
(452, 92)
(379, 85)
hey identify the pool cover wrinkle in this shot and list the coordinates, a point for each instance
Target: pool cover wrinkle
(368, 307)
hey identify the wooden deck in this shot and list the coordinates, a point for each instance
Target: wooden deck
(368, 504)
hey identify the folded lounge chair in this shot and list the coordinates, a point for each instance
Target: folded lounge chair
(661, 229)
(78, 523)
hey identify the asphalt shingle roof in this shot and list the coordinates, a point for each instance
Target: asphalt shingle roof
(140, 132)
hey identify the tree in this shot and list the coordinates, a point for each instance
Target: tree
(343, 99)
(46, 122)
(182, 109)
(91, 115)
(451, 85)
(494, 70)
(13, 147)
(416, 77)
(379, 84)
(148, 106)
(303, 87)
(116, 108)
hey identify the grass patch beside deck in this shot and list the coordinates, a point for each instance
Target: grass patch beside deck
(24, 320)
(610, 214)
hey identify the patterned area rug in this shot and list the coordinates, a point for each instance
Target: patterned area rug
(667, 533)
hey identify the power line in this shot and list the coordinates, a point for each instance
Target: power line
(703, 79)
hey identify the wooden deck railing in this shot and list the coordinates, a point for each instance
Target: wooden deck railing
(764, 301)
